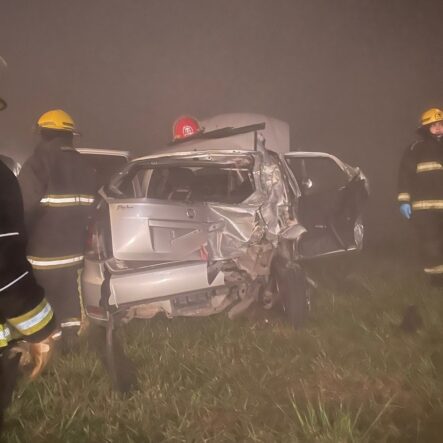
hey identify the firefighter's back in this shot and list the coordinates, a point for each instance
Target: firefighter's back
(56, 228)
(58, 187)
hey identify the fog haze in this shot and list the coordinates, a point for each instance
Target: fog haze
(351, 77)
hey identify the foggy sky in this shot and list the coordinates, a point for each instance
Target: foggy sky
(351, 77)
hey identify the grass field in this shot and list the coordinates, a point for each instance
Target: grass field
(351, 375)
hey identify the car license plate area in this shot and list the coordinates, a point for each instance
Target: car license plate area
(163, 238)
(193, 300)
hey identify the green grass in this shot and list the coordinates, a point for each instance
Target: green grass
(351, 375)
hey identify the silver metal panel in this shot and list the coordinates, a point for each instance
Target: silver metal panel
(92, 279)
(149, 229)
(105, 152)
(161, 282)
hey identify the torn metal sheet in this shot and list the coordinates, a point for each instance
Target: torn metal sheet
(251, 229)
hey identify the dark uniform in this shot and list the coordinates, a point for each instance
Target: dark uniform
(24, 312)
(58, 188)
(421, 185)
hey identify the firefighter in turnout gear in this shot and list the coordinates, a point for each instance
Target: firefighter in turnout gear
(420, 191)
(24, 311)
(58, 188)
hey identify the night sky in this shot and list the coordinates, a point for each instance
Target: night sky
(351, 77)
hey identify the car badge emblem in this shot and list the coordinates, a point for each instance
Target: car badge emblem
(190, 213)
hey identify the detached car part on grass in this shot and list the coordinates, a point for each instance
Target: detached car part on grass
(216, 222)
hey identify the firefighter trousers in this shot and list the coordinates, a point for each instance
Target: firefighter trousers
(62, 290)
(429, 229)
(9, 374)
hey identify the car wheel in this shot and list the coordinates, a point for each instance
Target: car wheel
(293, 291)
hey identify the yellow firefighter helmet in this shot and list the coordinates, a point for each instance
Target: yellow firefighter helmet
(431, 116)
(58, 120)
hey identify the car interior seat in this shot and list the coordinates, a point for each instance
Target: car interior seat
(180, 183)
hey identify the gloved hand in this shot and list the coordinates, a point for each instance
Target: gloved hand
(41, 353)
(406, 211)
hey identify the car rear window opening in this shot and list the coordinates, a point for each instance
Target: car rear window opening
(202, 184)
(196, 181)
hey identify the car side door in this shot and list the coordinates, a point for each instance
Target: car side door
(330, 205)
(105, 162)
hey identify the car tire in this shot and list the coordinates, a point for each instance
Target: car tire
(293, 291)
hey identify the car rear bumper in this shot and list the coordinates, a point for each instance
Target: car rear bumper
(179, 288)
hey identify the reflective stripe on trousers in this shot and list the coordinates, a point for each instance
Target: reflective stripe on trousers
(71, 322)
(5, 335)
(34, 320)
(46, 263)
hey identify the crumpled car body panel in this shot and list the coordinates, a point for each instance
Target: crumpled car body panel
(179, 255)
(149, 229)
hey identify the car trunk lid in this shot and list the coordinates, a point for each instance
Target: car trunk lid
(156, 230)
(182, 208)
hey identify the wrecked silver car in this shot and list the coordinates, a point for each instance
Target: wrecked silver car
(218, 221)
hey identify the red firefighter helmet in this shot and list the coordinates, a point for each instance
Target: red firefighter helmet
(185, 127)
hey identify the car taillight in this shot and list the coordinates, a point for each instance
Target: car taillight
(98, 245)
(95, 247)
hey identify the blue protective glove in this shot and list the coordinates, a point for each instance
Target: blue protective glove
(406, 211)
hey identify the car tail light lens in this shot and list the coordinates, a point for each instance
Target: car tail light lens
(96, 247)
(98, 236)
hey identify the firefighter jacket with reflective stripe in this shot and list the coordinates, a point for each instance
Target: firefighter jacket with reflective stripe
(13, 261)
(58, 187)
(23, 309)
(420, 181)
